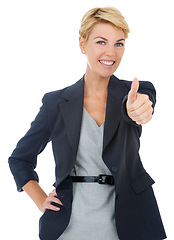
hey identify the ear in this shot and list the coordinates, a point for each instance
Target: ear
(82, 44)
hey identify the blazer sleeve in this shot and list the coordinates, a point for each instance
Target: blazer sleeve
(23, 160)
(144, 88)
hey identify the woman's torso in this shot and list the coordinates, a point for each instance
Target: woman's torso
(93, 208)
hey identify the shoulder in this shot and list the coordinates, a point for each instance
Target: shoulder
(126, 84)
(53, 96)
(65, 93)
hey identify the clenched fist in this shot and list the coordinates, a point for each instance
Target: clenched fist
(139, 107)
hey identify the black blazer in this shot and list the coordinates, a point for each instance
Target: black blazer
(59, 120)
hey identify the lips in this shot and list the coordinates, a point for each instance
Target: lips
(107, 62)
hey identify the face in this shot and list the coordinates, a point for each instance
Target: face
(104, 49)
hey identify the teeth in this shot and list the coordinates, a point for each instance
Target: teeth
(107, 63)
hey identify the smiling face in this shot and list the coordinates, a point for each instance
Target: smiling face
(104, 49)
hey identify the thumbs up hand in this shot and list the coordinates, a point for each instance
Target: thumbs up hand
(139, 107)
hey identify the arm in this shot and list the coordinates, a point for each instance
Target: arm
(40, 198)
(23, 160)
(36, 193)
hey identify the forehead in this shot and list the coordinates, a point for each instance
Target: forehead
(106, 30)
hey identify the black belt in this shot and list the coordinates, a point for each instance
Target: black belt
(101, 179)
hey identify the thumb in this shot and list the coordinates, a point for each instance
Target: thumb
(133, 92)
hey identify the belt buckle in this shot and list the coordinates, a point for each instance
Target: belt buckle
(102, 179)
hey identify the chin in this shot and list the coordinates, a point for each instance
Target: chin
(106, 75)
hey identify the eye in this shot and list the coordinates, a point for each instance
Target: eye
(101, 42)
(119, 44)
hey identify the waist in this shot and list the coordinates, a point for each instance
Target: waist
(101, 179)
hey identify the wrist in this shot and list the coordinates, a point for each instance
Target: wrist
(41, 204)
(36, 193)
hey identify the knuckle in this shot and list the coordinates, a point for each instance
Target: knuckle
(132, 117)
(141, 118)
(53, 199)
(134, 107)
(140, 122)
(144, 121)
(131, 107)
(50, 194)
(146, 97)
(137, 112)
(49, 199)
(149, 104)
(150, 107)
(150, 111)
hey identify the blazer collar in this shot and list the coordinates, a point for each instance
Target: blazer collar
(72, 110)
(74, 91)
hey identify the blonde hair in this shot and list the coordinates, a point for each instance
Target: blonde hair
(98, 15)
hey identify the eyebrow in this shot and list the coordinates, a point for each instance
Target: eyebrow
(119, 40)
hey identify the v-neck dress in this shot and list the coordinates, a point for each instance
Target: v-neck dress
(93, 206)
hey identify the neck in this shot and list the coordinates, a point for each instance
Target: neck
(95, 84)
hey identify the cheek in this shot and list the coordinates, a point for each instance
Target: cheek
(119, 56)
(95, 50)
(96, 53)
(121, 53)
(93, 55)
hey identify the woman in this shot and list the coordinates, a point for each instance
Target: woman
(102, 190)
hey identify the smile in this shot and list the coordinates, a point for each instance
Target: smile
(107, 63)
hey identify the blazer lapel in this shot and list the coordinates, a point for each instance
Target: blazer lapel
(113, 110)
(72, 110)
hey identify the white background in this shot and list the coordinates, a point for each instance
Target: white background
(39, 53)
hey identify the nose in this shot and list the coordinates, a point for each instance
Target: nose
(110, 51)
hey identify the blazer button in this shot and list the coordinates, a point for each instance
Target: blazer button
(114, 169)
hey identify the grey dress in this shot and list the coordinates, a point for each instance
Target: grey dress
(93, 204)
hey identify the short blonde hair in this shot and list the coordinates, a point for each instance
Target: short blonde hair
(98, 15)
